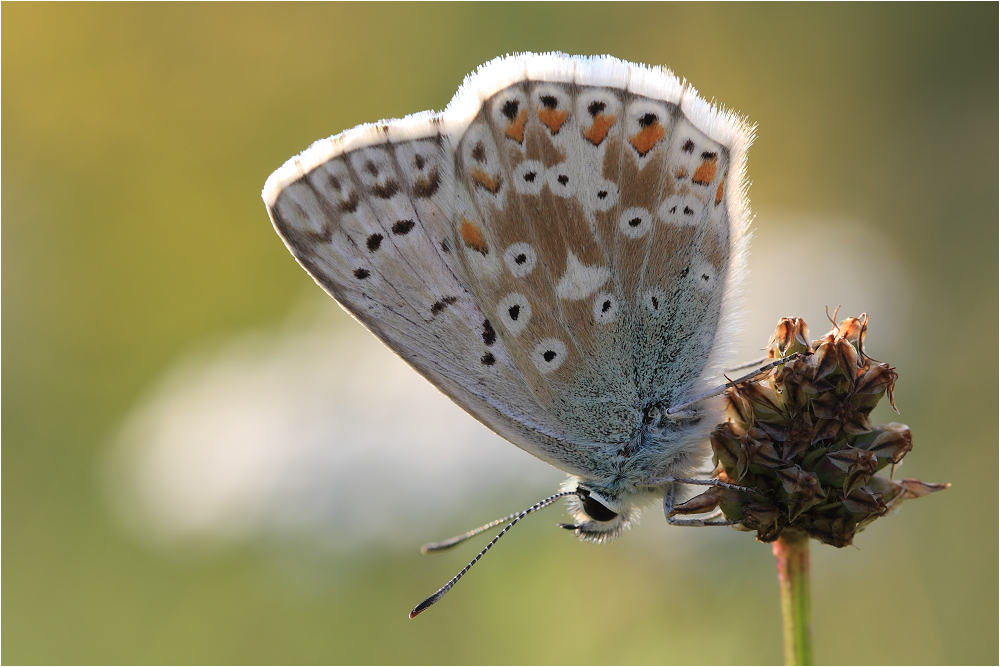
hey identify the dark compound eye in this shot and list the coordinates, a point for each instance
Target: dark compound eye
(594, 509)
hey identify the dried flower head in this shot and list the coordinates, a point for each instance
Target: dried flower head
(799, 441)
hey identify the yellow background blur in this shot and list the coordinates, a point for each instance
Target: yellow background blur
(136, 140)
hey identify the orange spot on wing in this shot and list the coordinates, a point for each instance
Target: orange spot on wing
(473, 237)
(599, 130)
(515, 128)
(553, 118)
(719, 192)
(484, 180)
(705, 173)
(681, 172)
(644, 140)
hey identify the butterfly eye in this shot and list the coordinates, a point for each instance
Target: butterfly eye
(594, 509)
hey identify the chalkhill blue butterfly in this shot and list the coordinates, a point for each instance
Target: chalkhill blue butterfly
(560, 251)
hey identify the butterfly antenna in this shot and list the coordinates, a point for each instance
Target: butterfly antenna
(432, 547)
(437, 546)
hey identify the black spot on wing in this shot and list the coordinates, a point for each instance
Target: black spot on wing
(442, 304)
(426, 187)
(386, 190)
(510, 109)
(402, 227)
(489, 335)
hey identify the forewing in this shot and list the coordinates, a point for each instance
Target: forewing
(371, 222)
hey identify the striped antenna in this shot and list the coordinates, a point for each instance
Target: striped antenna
(446, 544)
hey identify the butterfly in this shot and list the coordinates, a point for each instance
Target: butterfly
(561, 251)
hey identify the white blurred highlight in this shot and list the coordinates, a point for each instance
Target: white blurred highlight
(317, 431)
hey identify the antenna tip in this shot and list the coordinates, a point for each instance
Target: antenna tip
(422, 607)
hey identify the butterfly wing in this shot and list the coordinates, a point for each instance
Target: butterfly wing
(595, 223)
(493, 246)
(367, 215)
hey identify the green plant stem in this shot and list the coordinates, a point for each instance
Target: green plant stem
(792, 553)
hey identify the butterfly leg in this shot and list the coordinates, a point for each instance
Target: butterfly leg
(721, 388)
(711, 519)
(698, 482)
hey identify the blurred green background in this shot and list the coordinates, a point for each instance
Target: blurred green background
(136, 141)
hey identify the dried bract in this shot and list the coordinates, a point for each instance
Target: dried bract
(800, 437)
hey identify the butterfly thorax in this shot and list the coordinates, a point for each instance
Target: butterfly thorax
(663, 445)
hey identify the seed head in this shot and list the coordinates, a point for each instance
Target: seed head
(800, 437)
